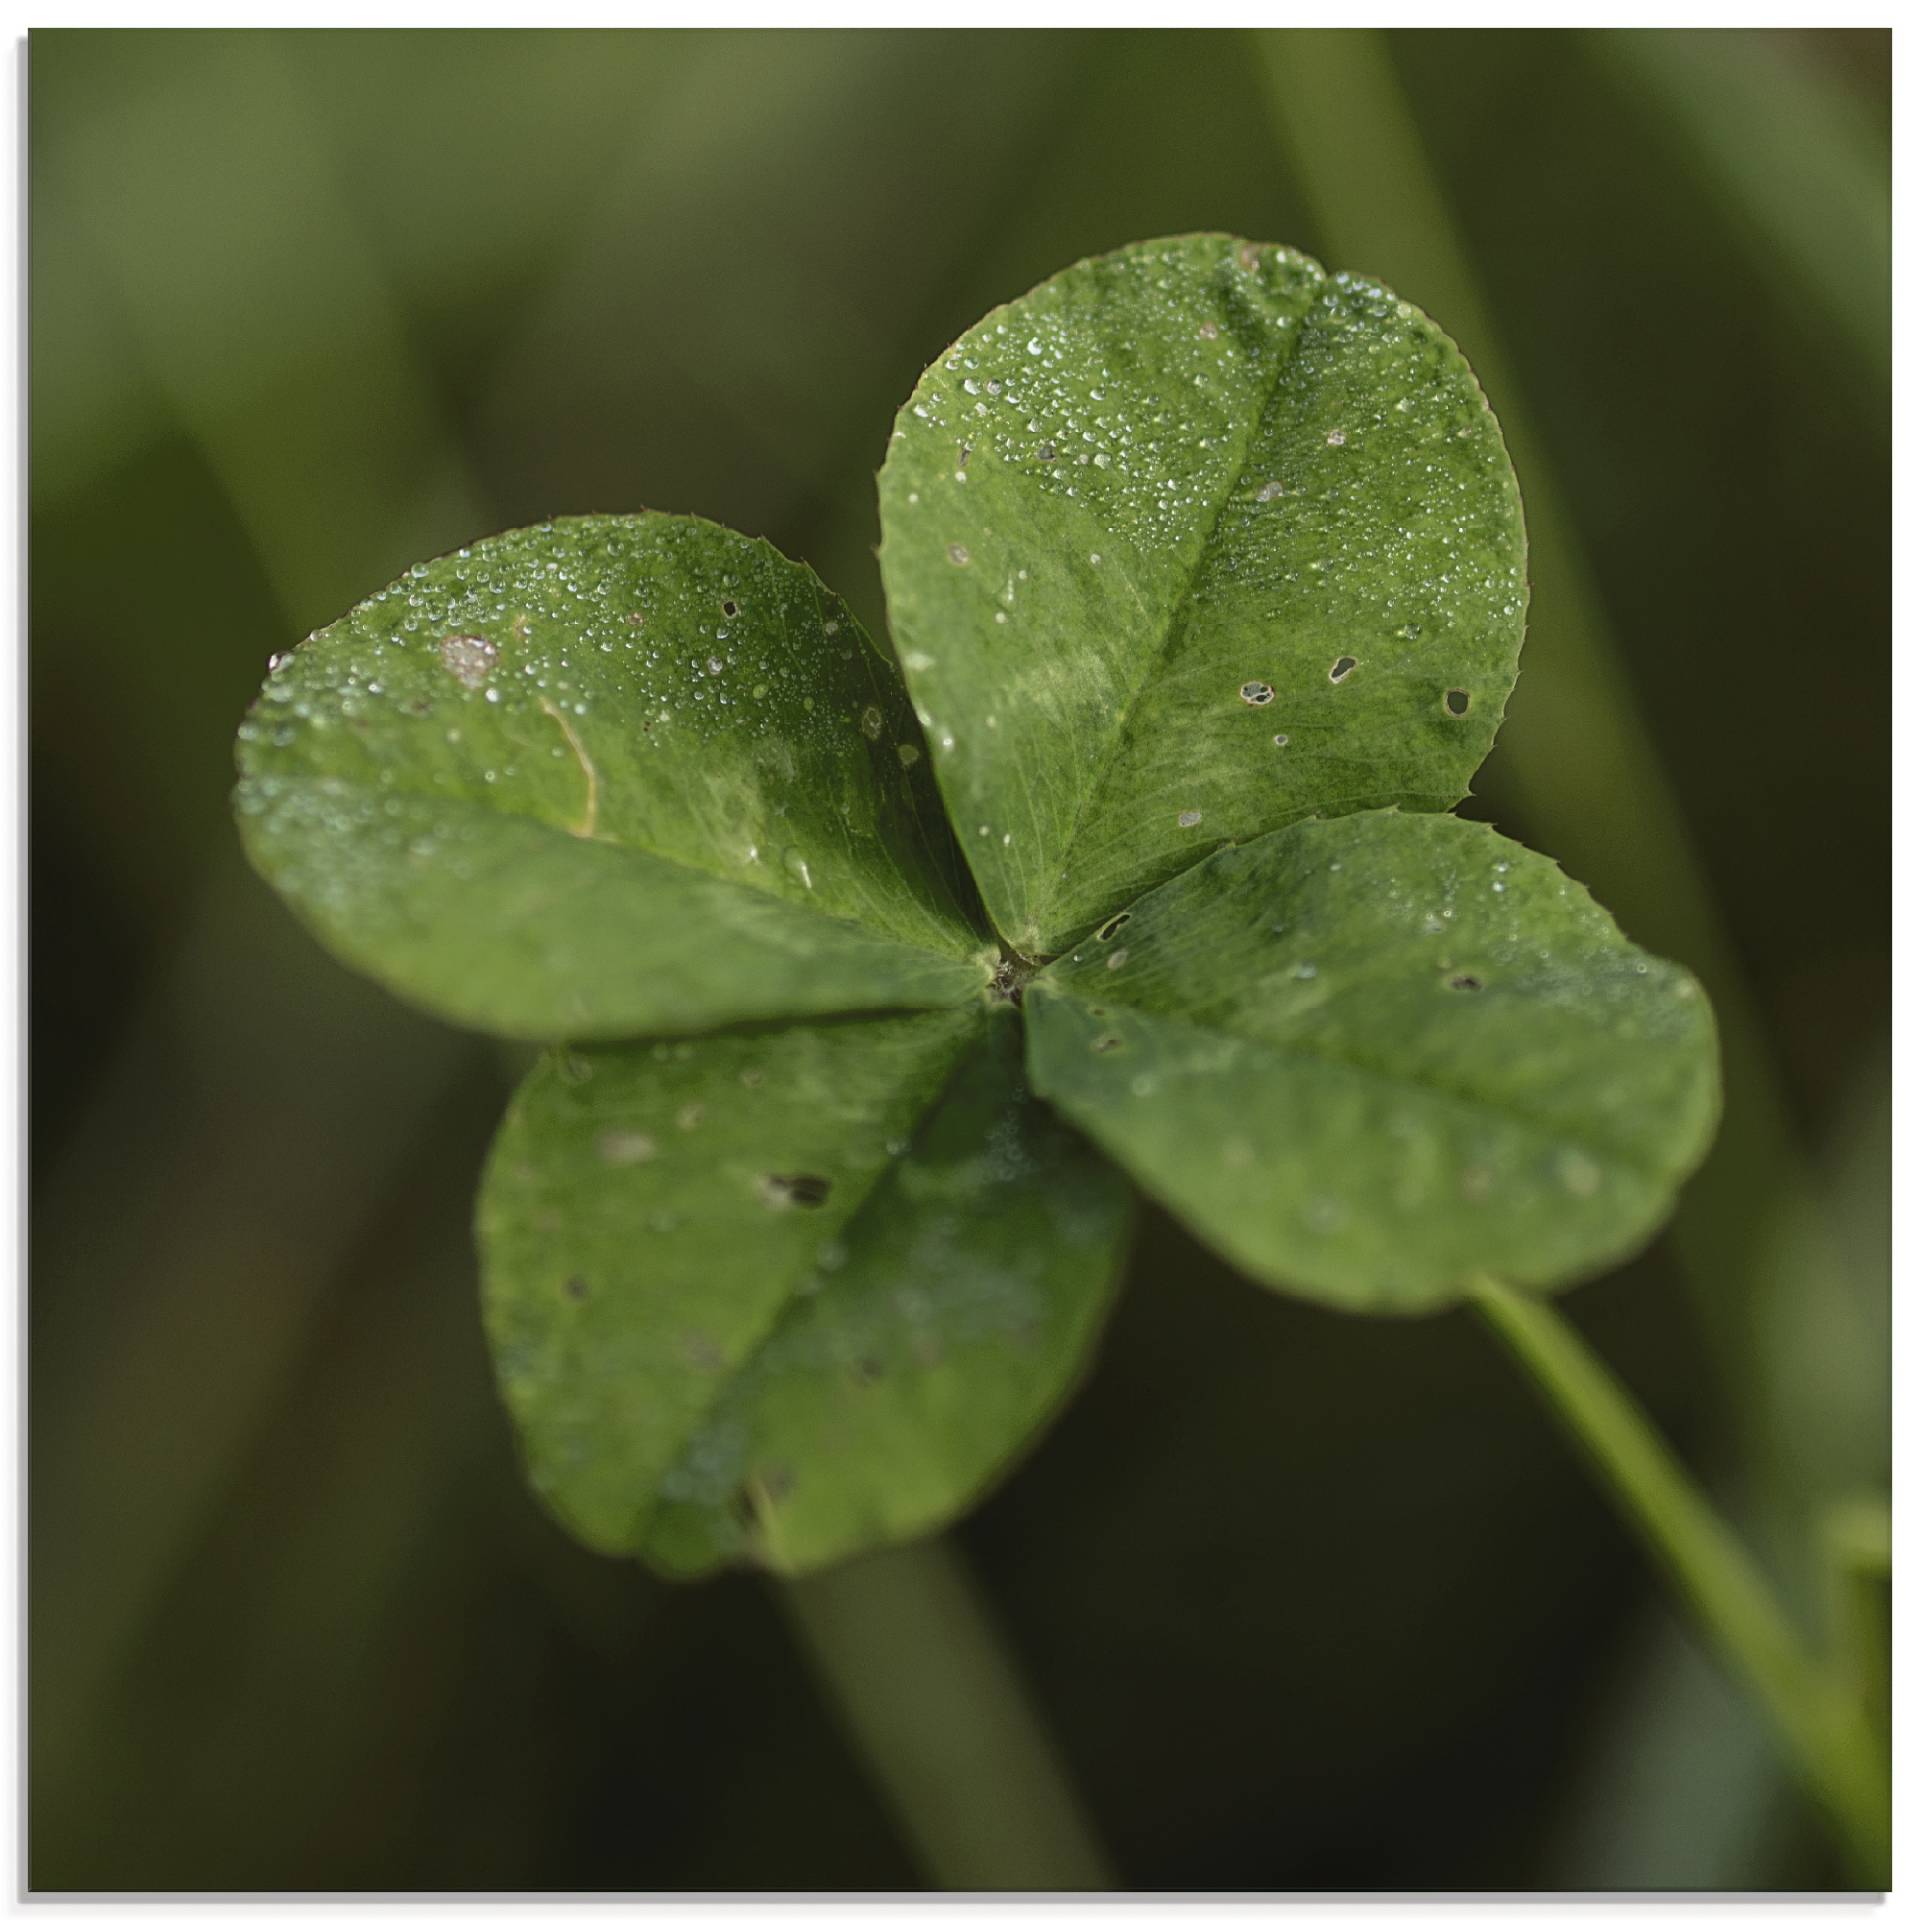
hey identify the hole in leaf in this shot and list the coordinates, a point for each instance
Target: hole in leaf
(1458, 701)
(729, 608)
(1113, 926)
(1256, 693)
(958, 554)
(1191, 818)
(781, 1190)
(1341, 668)
(1107, 1043)
(1464, 983)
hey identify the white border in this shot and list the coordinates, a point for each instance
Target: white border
(864, 13)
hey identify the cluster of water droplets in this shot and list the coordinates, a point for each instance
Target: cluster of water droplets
(648, 682)
(1294, 472)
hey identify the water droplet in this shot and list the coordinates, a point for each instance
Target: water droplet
(783, 1190)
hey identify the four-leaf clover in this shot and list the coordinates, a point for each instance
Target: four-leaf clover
(874, 986)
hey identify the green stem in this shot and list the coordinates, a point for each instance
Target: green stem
(928, 1693)
(1856, 1539)
(1826, 1735)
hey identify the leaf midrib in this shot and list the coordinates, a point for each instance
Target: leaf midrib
(791, 1303)
(466, 803)
(1433, 1089)
(1176, 620)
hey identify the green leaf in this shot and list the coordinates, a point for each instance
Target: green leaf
(788, 1294)
(1372, 1060)
(608, 776)
(1190, 542)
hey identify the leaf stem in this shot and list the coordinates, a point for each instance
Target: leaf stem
(904, 1647)
(1825, 1733)
(1856, 1539)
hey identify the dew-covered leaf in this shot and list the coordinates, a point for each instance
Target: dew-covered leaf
(1373, 1059)
(785, 1295)
(1192, 541)
(609, 776)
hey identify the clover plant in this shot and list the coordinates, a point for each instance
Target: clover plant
(875, 981)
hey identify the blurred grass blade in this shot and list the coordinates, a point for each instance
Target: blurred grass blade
(951, 1741)
(1678, 1783)
(1801, 174)
(1574, 731)
(1824, 1730)
(237, 1207)
(345, 393)
(1857, 1537)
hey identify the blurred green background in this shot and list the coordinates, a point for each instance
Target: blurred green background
(1310, 1602)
